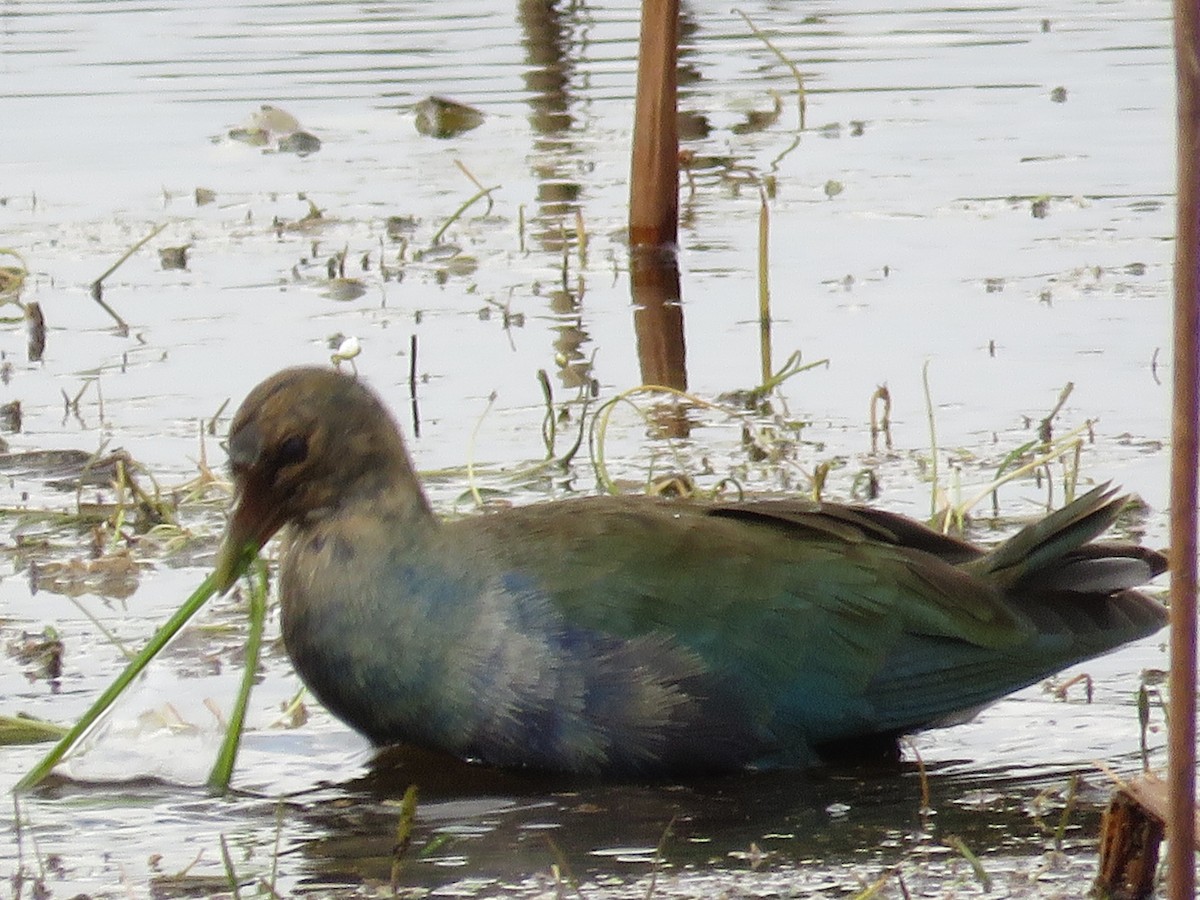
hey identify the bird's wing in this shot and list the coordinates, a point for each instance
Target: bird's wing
(804, 612)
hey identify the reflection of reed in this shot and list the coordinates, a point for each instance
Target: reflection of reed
(658, 317)
(546, 37)
(546, 30)
(654, 185)
(574, 368)
(654, 210)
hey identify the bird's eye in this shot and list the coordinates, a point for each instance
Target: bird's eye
(293, 450)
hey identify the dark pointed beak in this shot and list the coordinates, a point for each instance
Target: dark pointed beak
(251, 524)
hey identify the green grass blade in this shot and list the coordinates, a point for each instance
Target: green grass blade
(222, 771)
(160, 639)
(23, 730)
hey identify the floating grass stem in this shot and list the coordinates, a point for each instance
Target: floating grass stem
(98, 284)
(598, 429)
(793, 365)
(87, 467)
(230, 872)
(212, 423)
(275, 854)
(581, 239)
(923, 774)
(457, 214)
(1046, 427)
(801, 94)
(658, 856)
(12, 278)
(472, 483)
(933, 444)
(103, 629)
(981, 875)
(872, 890)
(549, 421)
(1068, 809)
(820, 474)
(412, 384)
(1071, 476)
(565, 459)
(562, 870)
(462, 167)
(1143, 708)
(404, 830)
(764, 287)
(881, 421)
(1069, 443)
(292, 711)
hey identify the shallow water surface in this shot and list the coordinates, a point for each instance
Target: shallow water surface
(987, 190)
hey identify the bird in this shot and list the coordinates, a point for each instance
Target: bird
(636, 637)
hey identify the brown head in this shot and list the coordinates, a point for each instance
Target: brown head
(301, 444)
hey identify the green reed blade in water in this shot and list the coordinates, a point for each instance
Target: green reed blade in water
(222, 771)
(21, 730)
(211, 585)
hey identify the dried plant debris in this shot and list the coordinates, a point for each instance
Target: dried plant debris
(115, 575)
(274, 120)
(311, 220)
(73, 471)
(12, 277)
(441, 118)
(760, 120)
(41, 654)
(174, 257)
(35, 324)
(400, 228)
(344, 289)
(302, 143)
(275, 130)
(65, 470)
(10, 416)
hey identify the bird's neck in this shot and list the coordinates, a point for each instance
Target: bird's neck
(395, 494)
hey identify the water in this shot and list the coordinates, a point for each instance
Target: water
(942, 128)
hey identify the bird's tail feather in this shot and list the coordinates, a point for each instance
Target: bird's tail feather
(1057, 553)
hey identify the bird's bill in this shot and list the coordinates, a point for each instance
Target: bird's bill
(251, 525)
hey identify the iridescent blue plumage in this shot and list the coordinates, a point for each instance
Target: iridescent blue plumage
(630, 636)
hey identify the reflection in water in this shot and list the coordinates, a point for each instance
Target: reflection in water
(693, 125)
(547, 39)
(498, 827)
(658, 316)
(573, 366)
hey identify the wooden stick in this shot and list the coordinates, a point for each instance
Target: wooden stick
(1185, 451)
(1130, 835)
(654, 176)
